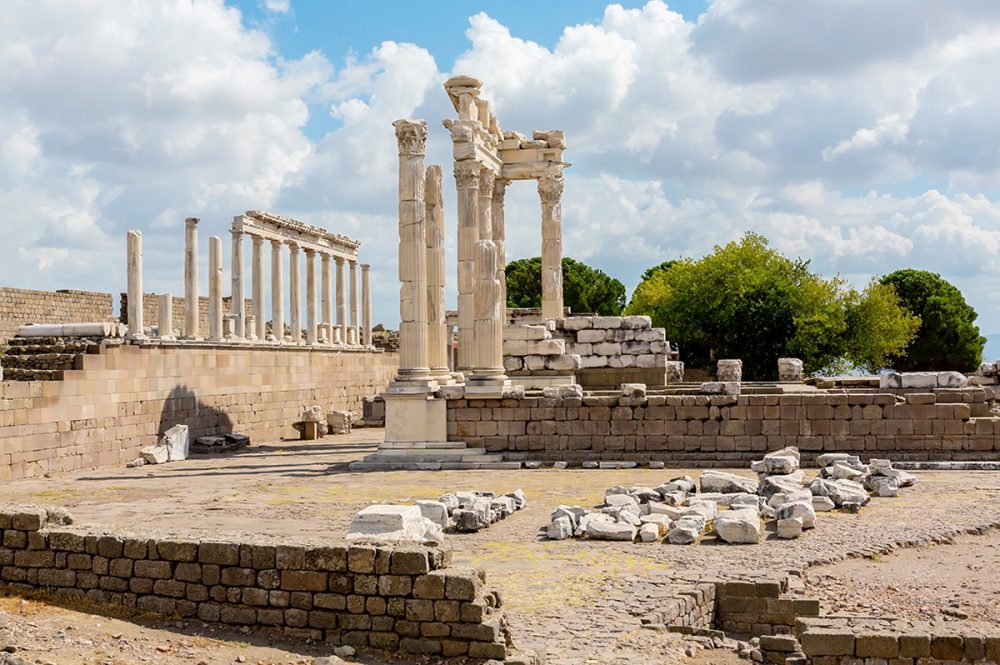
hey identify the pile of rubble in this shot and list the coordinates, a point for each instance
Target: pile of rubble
(175, 446)
(427, 521)
(732, 507)
(313, 423)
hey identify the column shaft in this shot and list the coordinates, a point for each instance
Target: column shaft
(411, 137)
(353, 336)
(310, 296)
(467, 183)
(192, 314)
(257, 287)
(165, 316)
(366, 305)
(550, 190)
(437, 333)
(238, 292)
(134, 290)
(295, 293)
(327, 313)
(500, 240)
(488, 355)
(341, 334)
(215, 287)
(277, 292)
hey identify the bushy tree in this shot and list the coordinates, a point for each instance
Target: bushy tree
(747, 301)
(585, 289)
(948, 337)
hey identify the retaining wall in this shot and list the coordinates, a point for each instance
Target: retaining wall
(125, 396)
(387, 597)
(722, 430)
(22, 306)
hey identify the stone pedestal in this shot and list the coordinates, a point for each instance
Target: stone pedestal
(191, 310)
(412, 418)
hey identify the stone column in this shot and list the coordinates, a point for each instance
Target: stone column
(353, 337)
(411, 136)
(165, 316)
(341, 334)
(500, 240)
(192, 329)
(488, 342)
(366, 305)
(327, 313)
(437, 333)
(294, 293)
(215, 288)
(257, 287)
(238, 292)
(550, 190)
(134, 290)
(467, 183)
(277, 292)
(310, 296)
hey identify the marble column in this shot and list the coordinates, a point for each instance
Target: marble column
(550, 190)
(238, 291)
(411, 136)
(277, 292)
(500, 240)
(294, 293)
(467, 184)
(366, 305)
(327, 313)
(437, 333)
(352, 337)
(488, 342)
(341, 333)
(165, 316)
(134, 290)
(257, 287)
(310, 296)
(215, 288)
(192, 314)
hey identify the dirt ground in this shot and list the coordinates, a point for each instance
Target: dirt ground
(572, 601)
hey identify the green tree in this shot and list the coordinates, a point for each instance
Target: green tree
(747, 301)
(948, 337)
(585, 289)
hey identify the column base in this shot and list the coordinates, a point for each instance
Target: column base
(486, 388)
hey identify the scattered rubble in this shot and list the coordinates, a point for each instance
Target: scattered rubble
(732, 507)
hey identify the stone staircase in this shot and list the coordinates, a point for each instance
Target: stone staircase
(44, 358)
(431, 456)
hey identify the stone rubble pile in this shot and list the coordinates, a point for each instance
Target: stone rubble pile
(732, 507)
(427, 521)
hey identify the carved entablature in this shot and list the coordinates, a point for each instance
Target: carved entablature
(269, 226)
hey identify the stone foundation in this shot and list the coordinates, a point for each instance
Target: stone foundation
(123, 397)
(366, 595)
(722, 430)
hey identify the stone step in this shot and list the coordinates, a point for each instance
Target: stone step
(430, 452)
(421, 445)
(437, 458)
(432, 466)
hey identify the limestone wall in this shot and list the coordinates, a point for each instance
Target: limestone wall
(19, 307)
(151, 310)
(724, 430)
(386, 597)
(124, 396)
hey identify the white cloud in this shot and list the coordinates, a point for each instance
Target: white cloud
(861, 136)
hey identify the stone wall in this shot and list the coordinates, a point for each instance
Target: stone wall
(126, 395)
(755, 607)
(721, 430)
(19, 307)
(386, 597)
(151, 310)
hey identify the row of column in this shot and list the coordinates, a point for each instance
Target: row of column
(355, 332)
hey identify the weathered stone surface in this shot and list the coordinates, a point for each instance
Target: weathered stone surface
(177, 442)
(726, 483)
(601, 530)
(686, 530)
(801, 510)
(561, 528)
(738, 526)
(435, 511)
(789, 527)
(789, 370)
(729, 370)
(649, 533)
(388, 523)
(567, 391)
(155, 454)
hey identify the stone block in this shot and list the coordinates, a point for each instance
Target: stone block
(790, 370)
(729, 370)
(827, 642)
(177, 442)
(388, 522)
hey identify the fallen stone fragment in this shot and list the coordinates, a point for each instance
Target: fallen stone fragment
(684, 484)
(738, 526)
(828, 459)
(520, 501)
(706, 509)
(469, 521)
(801, 510)
(663, 509)
(600, 530)
(649, 533)
(790, 527)
(435, 511)
(155, 454)
(771, 485)
(177, 443)
(620, 500)
(686, 530)
(561, 528)
(823, 504)
(726, 483)
(782, 498)
(137, 462)
(388, 522)
(882, 486)
(662, 522)
(644, 494)
(567, 391)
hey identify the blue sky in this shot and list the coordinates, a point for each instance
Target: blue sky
(859, 135)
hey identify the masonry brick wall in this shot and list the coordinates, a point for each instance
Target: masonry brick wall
(125, 396)
(725, 430)
(151, 310)
(386, 597)
(20, 307)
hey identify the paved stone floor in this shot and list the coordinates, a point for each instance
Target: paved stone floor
(575, 601)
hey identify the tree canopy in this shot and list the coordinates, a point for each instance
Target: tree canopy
(948, 337)
(585, 289)
(747, 301)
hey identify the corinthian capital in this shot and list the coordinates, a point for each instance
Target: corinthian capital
(550, 188)
(467, 174)
(411, 135)
(486, 179)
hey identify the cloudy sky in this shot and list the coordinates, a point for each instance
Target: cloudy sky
(860, 134)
